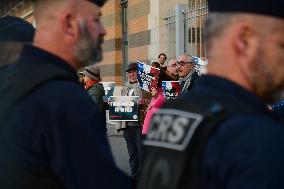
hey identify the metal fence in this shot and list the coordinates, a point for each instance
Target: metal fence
(9, 7)
(185, 29)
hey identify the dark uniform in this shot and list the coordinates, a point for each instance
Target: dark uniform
(54, 136)
(244, 151)
(279, 108)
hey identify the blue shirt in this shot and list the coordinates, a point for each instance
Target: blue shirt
(58, 127)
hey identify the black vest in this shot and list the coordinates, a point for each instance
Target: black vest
(177, 138)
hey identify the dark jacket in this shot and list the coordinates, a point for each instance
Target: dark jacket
(55, 137)
(245, 150)
(97, 93)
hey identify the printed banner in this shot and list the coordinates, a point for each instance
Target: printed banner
(171, 89)
(109, 89)
(123, 108)
(147, 76)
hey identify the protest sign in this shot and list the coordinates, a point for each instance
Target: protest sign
(123, 108)
(171, 89)
(109, 89)
(200, 64)
(200, 61)
(147, 76)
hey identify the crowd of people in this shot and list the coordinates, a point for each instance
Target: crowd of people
(224, 130)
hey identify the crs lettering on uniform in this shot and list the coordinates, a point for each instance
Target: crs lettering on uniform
(172, 129)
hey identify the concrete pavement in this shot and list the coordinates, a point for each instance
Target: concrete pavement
(118, 147)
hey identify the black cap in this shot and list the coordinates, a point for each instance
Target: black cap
(131, 66)
(265, 7)
(100, 3)
(15, 29)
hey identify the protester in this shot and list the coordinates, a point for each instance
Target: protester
(221, 134)
(162, 59)
(155, 64)
(13, 32)
(95, 89)
(172, 69)
(52, 133)
(186, 71)
(157, 100)
(133, 131)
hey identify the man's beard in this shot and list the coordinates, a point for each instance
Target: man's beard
(87, 51)
(262, 78)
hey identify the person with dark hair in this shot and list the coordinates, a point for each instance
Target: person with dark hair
(155, 64)
(157, 100)
(172, 69)
(221, 134)
(14, 32)
(92, 79)
(52, 133)
(162, 59)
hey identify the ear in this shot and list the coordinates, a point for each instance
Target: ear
(70, 27)
(246, 42)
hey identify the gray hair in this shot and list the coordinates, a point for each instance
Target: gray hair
(215, 25)
(188, 56)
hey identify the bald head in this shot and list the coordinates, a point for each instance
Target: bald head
(70, 29)
(47, 10)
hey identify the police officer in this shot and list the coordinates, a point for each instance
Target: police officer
(221, 134)
(52, 135)
(13, 32)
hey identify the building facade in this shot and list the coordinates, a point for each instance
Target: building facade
(137, 30)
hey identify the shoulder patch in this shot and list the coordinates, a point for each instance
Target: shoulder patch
(172, 129)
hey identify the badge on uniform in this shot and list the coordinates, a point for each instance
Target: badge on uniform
(172, 129)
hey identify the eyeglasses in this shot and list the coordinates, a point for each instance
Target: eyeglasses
(182, 63)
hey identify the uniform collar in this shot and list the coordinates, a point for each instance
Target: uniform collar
(223, 87)
(34, 55)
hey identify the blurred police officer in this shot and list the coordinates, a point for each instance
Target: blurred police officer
(52, 133)
(221, 135)
(13, 33)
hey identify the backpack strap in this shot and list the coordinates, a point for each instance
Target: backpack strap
(18, 80)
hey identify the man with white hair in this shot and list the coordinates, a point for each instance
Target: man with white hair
(186, 71)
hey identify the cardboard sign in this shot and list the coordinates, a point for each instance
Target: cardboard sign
(171, 89)
(123, 108)
(109, 89)
(147, 76)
